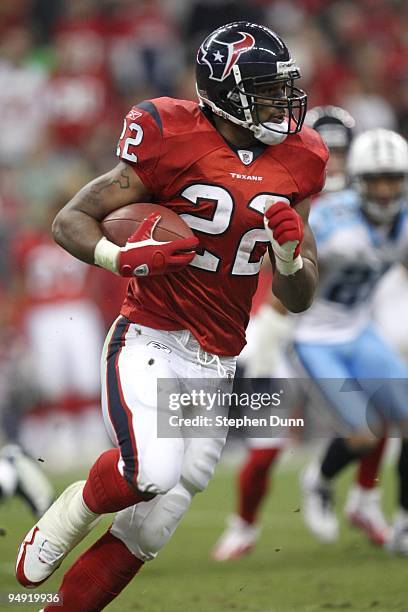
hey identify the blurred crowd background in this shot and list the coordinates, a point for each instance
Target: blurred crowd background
(69, 72)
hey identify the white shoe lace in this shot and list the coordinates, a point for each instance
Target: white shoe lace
(49, 553)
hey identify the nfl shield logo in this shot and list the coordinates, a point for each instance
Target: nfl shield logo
(246, 157)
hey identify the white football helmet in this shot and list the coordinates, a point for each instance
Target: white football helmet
(379, 152)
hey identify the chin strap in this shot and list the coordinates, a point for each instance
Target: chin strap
(271, 133)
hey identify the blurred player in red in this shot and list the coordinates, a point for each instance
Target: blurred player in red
(239, 167)
(56, 311)
(269, 334)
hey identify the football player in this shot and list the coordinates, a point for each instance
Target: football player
(239, 167)
(361, 232)
(363, 507)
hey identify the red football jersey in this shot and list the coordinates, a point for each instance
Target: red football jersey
(48, 273)
(220, 191)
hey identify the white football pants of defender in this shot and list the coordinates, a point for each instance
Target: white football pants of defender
(176, 468)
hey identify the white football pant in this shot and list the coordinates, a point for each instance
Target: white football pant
(174, 468)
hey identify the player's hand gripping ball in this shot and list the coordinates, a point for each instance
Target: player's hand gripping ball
(285, 231)
(152, 239)
(144, 255)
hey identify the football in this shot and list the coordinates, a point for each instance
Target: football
(123, 222)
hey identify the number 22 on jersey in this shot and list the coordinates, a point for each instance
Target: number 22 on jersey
(221, 219)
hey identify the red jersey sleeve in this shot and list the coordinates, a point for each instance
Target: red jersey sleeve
(141, 143)
(311, 165)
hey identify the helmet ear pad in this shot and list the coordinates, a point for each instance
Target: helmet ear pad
(238, 58)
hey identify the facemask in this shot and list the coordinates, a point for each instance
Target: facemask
(382, 214)
(376, 211)
(271, 136)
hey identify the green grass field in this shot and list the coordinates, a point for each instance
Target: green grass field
(288, 571)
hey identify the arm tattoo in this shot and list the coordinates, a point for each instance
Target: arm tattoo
(97, 188)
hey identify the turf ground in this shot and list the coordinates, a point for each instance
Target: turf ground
(288, 571)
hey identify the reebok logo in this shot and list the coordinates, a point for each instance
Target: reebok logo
(159, 346)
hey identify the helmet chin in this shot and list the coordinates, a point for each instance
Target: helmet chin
(271, 133)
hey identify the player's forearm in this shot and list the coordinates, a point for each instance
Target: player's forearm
(77, 232)
(76, 227)
(296, 291)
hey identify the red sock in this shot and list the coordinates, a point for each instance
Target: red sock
(106, 490)
(97, 577)
(367, 475)
(253, 481)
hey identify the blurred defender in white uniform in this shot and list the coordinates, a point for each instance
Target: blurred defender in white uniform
(361, 232)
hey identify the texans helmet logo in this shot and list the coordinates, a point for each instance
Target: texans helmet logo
(223, 56)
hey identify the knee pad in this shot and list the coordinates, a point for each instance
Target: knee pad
(147, 527)
(199, 463)
(162, 521)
